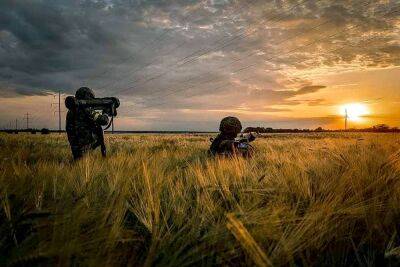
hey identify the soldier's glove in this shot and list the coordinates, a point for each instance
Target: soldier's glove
(101, 119)
(249, 136)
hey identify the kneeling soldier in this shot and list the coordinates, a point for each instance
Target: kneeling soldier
(227, 142)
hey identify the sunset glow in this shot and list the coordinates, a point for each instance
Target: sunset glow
(355, 111)
(183, 65)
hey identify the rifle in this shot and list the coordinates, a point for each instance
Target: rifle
(242, 144)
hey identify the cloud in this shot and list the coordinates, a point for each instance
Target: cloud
(316, 102)
(275, 97)
(309, 89)
(309, 102)
(182, 53)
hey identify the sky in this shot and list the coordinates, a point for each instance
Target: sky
(185, 64)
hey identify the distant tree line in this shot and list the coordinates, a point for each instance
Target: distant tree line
(32, 131)
(380, 128)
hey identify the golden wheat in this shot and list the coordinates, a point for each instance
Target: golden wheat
(160, 200)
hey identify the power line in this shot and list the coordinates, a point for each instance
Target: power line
(239, 59)
(156, 59)
(212, 89)
(162, 74)
(159, 38)
(293, 50)
(199, 50)
(147, 65)
(247, 56)
(309, 44)
(240, 36)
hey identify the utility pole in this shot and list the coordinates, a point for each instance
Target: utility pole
(112, 126)
(58, 105)
(27, 120)
(59, 112)
(16, 124)
(345, 119)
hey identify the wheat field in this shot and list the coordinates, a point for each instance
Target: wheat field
(161, 200)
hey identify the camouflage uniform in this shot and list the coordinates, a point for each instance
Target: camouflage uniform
(84, 126)
(229, 128)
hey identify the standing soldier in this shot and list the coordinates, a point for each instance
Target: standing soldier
(83, 125)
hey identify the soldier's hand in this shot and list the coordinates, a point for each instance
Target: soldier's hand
(101, 119)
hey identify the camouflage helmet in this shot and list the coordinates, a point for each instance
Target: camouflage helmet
(84, 93)
(230, 125)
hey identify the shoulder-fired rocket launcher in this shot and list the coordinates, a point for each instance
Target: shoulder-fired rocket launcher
(108, 105)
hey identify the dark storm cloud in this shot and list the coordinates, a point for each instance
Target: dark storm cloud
(70, 38)
(178, 52)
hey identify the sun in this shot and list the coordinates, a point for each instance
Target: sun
(354, 111)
